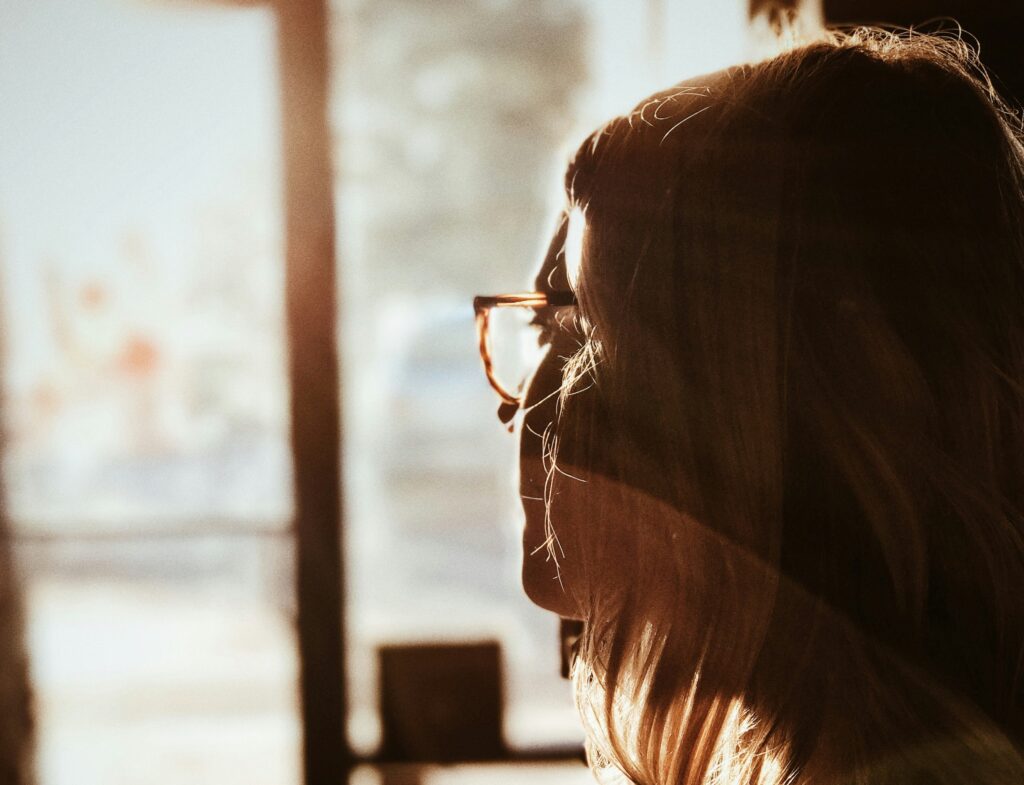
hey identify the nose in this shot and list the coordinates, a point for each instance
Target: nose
(540, 401)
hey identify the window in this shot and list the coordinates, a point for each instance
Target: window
(146, 464)
(146, 467)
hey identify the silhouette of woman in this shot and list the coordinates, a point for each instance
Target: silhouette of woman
(774, 455)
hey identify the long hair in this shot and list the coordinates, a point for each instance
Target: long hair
(798, 410)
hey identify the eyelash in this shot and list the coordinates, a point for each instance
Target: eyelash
(544, 328)
(550, 323)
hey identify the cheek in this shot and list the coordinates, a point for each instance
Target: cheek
(540, 404)
(545, 582)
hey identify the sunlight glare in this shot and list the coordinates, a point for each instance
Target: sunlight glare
(574, 244)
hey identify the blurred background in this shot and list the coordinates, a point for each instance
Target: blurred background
(238, 563)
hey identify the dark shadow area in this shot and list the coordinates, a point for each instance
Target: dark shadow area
(996, 24)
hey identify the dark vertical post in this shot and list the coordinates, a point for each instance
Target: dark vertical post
(17, 731)
(17, 715)
(315, 392)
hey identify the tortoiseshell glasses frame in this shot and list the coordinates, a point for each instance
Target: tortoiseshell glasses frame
(482, 305)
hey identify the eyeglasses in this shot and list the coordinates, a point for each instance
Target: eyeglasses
(523, 302)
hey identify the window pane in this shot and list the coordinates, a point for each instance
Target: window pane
(449, 117)
(163, 660)
(141, 244)
(146, 466)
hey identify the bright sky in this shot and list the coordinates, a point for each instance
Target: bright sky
(122, 117)
(637, 53)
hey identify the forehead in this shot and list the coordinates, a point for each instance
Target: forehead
(664, 111)
(552, 275)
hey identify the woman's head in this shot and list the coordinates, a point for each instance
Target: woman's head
(785, 463)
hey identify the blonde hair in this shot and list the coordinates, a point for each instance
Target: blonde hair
(799, 409)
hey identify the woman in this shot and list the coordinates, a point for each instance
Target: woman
(774, 456)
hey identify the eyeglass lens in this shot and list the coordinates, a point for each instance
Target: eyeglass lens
(515, 346)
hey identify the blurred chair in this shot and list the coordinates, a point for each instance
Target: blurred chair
(441, 703)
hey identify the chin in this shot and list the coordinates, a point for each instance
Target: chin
(540, 582)
(540, 575)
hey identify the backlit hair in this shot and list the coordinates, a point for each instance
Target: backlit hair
(799, 412)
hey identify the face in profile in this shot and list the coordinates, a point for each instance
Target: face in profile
(547, 565)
